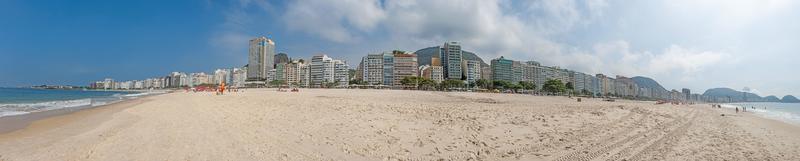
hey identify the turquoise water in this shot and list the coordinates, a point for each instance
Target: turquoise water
(787, 112)
(18, 101)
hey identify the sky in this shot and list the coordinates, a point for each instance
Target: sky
(695, 44)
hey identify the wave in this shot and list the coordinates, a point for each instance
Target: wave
(25, 108)
(771, 113)
(44, 106)
(779, 115)
(12, 113)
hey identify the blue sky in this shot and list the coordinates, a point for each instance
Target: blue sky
(697, 44)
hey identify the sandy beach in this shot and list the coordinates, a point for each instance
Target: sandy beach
(350, 124)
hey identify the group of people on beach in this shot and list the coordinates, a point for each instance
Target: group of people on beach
(744, 109)
(219, 90)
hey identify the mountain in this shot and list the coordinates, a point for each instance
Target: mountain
(424, 56)
(772, 99)
(789, 99)
(734, 95)
(644, 82)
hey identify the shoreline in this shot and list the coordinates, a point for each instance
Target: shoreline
(19, 122)
(768, 113)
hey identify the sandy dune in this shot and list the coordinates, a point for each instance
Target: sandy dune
(318, 124)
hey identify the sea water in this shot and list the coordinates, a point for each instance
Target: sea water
(787, 112)
(19, 101)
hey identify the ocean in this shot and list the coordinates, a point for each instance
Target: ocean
(787, 112)
(20, 101)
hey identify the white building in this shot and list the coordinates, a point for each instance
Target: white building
(372, 69)
(472, 70)
(198, 79)
(324, 70)
(340, 73)
(221, 76)
(260, 60)
(239, 76)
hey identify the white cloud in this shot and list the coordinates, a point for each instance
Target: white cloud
(685, 61)
(332, 20)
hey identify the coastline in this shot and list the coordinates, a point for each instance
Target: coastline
(772, 113)
(18, 122)
(355, 124)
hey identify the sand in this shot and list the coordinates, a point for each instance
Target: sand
(341, 124)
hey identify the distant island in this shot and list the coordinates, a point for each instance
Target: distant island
(738, 96)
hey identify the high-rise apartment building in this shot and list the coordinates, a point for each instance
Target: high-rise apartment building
(451, 58)
(405, 65)
(502, 69)
(472, 70)
(260, 59)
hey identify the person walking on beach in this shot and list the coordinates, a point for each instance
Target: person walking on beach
(222, 88)
(737, 109)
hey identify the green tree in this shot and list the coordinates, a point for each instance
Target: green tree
(276, 83)
(527, 85)
(554, 86)
(357, 82)
(570, 86)
(409, 81)
(330, 84)
(448, 84)
(501, 84)
(483, 83)
(515, 87)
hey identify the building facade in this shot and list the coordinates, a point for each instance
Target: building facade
(451, 58)
(472, 71)
(260, 59)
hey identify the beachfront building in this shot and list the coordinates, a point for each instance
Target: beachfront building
(431, 72)
(305, 75)
(437, 74)
(595, 85)
(517, 71)
(437, 70)
(280, 72)
(405, 65)
(198, 79)
(626, 87)
(176, 79)
(529, 70)
(472, 71)
(372, 69)
(260, 60)
(221, 76)
(294, 72)
(108, 83)
(486, 72)
(606, 85)
(388, 68)
(238, 77)
(502, 69)
(675, 95)
(424, 71)
(451, 59)
(321, 70)
(687, 93)
(340, 73)
(578, 81)
(270, 76)
(138, 84)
